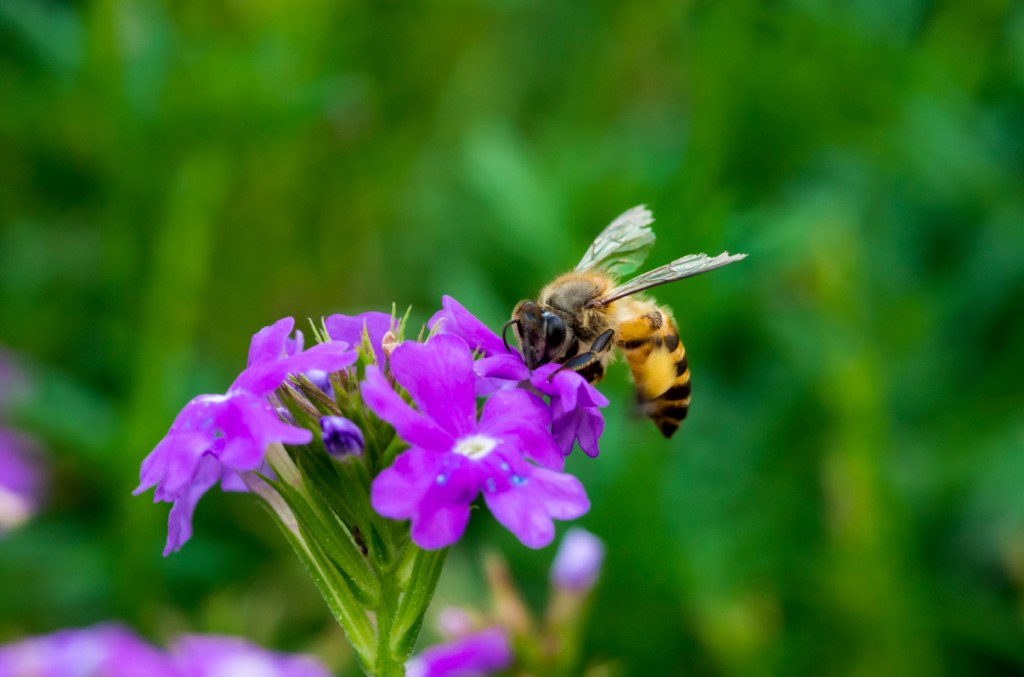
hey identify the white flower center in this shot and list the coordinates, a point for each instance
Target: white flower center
(475, 446)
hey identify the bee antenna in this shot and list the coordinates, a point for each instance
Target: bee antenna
(504, 332)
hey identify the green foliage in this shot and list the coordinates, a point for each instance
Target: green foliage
(846, 492)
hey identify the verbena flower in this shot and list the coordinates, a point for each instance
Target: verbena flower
(475, 655)
(99, 651)
(22, 480)
(215, 437)
(498, 367)
(349, 328)
(213, 656)
(455, 456)
(578, 562)
(111, 650)
(575, 408)
(575, 403)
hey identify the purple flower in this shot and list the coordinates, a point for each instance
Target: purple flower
(578, 562)
(21, 479)
(498, 368)
(476, 655)
(114, 651)
(454, 456)
(100, 651)
(575, 414)
(341, 436)
(349, 328)
(212, 656)
(217, 436)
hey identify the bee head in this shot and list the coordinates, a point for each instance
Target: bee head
(541, 333)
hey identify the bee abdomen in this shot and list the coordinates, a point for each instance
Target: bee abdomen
(670, 408)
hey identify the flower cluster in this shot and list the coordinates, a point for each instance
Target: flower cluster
(216, 438)
(115, 651)
(364, 429)
(512, 454)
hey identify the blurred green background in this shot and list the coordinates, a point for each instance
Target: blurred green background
(847, 496)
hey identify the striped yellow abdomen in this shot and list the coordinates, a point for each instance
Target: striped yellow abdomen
(658, 361)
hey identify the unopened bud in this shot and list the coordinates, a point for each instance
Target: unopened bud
(341, 437)
(578, 562)
(388, 343)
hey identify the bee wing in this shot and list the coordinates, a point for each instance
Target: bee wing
(623, 245)
(688, 266)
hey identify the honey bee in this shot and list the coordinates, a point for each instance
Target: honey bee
(582, 315)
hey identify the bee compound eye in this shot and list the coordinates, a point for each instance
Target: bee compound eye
(554, 330)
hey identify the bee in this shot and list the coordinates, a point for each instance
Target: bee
(582, 315)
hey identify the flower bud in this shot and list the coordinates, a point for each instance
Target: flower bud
(578, 562)
(341, 437)
(388, 344)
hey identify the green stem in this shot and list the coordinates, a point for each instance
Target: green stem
(342, 603)
(388, 664)
(422, 582)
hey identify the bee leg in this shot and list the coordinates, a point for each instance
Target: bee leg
(587, 364)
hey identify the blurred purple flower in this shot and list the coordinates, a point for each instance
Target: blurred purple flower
(454, 456)
(574, 403)
(349, 328)
(99, 651)
(212, 656)
(22, 480)
(112, 650)
(475, 655)
(341, 436)
(217, 436)
(578, 562)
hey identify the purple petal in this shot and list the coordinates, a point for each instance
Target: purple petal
(99, 651)
(527, 508)
(410, 425)
(263, 378)
(583, 425)
(439, 377)
(578, 562)
(437, 525)
(179, 521)
(433, 490)
(522, 420)
(235, 428)
(213, 656)
(498, 372)
(567, 386)
(455, 319)
(268, 344)
(349, 328)
(397, 490)
(482, 653)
